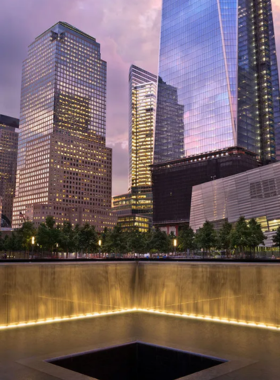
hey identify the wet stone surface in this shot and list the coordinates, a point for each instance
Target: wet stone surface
(21, 347)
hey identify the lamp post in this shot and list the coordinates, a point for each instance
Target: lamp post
(99, 244)
(175, 245)
(32, 243)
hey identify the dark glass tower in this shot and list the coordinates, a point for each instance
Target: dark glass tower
(220, 57)
(8, 165)
(169, 133)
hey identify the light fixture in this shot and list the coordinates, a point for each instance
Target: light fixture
(151, 311)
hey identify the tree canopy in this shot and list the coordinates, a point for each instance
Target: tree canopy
(206, 236)
(52, 237)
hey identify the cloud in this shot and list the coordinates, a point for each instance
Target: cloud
(128, 31)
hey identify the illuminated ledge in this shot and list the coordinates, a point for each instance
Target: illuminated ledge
(61, 319)
(151, 311)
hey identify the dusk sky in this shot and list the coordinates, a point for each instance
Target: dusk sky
(128, 31)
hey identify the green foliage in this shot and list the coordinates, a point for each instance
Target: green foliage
(256, 236)
(276, 237)
(205, 237)
(13, 243)
(186, 239)
(24, 235)
(160, 242)
(117, 241)
(239, 236)
(85, 238)
(48, 235)
(224, 237)
(136, 241)
(66, 237)
(106, 243)
(6, 243)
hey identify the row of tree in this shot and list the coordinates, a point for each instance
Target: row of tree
(243, 236)
(50, 237)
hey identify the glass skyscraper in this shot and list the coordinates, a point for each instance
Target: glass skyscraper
(142, 105)
(8, 165)
(220, 58)
(64, 167)
(142, 95)
(135, 208)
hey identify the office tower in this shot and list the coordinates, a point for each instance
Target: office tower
(142, 93)
(142, 114)
(8, 165)
(169, 134)
(220, 57)
(64, 167)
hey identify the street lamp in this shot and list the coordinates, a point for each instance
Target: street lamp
(32, 243)
(175, 245)
(99, 244)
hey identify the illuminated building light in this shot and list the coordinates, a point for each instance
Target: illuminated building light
(64, 167)
(212, 319)
(62, 319)
(150, 311)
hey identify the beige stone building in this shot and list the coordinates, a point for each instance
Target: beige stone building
(64, 166)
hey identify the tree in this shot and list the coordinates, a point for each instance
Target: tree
(24, 235)
(276, 238)
(118, 241)
(136, 241)
(205, 237)
(13, 243)
(48, 235)
(87, 238)
(6, 243)
(106, 240)
(1, 242)
(93, 241)
(223, 238)
(186, 239)
(239, 236)
(160, 241)
(256, 235)
(67, 237)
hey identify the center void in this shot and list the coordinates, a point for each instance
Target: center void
(135, 361)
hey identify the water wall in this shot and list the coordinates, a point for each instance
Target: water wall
(234, 291)
(34, 292)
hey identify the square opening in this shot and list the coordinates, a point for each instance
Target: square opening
(137, 361)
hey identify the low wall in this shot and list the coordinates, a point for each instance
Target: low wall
(32, 292)
(235, 291)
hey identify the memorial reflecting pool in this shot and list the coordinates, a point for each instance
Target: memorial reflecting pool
(23, 351)
(31, 292)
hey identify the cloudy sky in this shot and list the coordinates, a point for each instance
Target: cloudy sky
(128, 31)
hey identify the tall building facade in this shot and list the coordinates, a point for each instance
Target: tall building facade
(135, 208)
(64, 167)
(8, 165)
(173, 182)
(220, 58)
(169, 133)
(252, 194)
(142, 106)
